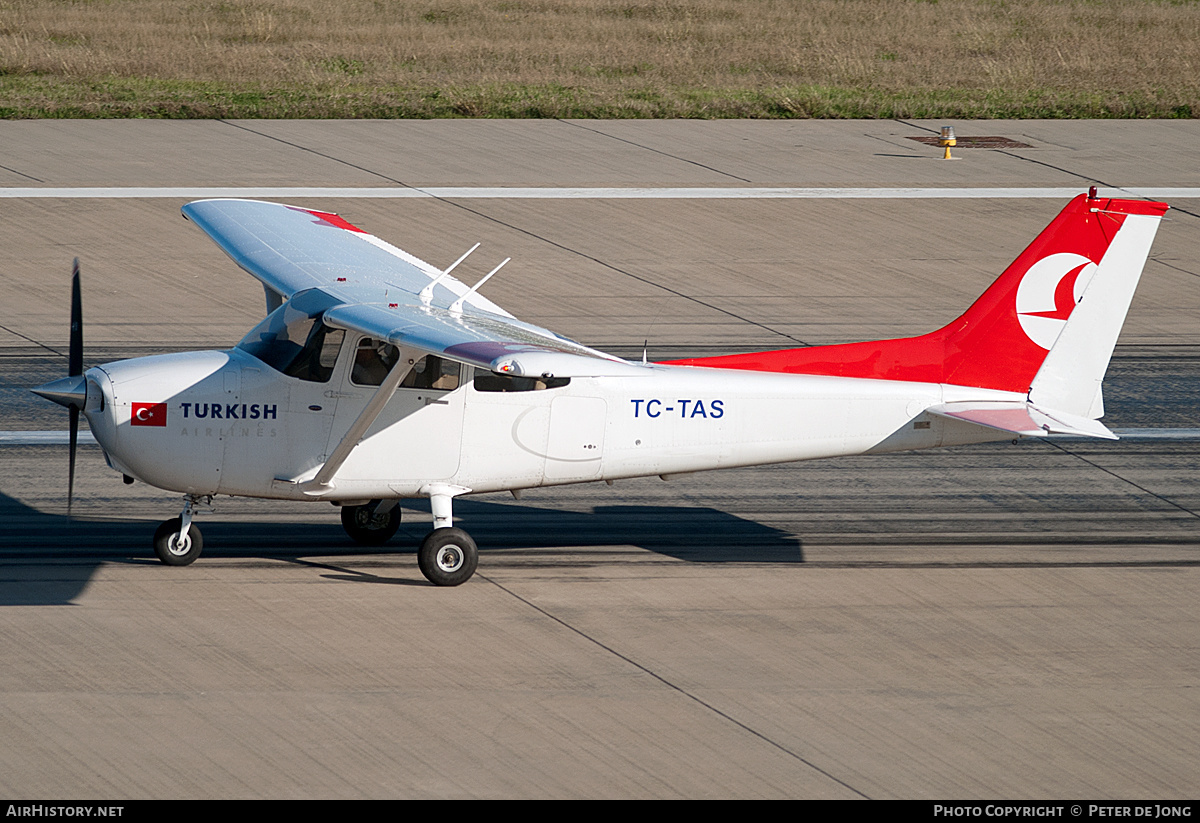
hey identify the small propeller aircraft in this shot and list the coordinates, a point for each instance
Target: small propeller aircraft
(376, 376)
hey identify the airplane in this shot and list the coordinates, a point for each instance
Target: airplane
(376, 377)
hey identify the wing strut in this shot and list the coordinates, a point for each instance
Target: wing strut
(322, 483)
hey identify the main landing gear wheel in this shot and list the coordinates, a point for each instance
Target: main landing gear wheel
(448, 557)
(368, 528)
(173, 551)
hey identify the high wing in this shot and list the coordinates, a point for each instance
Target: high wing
(291, 249)
(378, 290)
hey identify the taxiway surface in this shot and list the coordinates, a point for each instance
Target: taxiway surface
(996, 621)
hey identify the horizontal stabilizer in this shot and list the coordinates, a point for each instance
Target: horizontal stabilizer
(1024, 419)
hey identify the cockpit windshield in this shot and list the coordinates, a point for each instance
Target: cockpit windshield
(293, 340)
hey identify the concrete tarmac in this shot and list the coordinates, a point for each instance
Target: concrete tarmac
(997, 621)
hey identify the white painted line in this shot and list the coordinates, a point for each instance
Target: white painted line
(630, 193)
(86, 438)
(1158, 434)
(44, 438)
(199, 193)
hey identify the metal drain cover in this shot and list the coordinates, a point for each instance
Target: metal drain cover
(977, 142)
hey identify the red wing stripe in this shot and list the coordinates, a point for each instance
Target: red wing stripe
(331, 219)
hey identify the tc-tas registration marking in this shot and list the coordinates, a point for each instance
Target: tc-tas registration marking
(680, 409)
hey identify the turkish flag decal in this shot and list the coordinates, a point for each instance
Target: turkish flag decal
(148, 414)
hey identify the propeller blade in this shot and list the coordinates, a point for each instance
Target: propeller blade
(74, 368)
(74, 410)
(71, 391)
(75, 352)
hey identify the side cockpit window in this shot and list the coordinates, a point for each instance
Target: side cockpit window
(373, 360)
(316, 359)
(295, 343)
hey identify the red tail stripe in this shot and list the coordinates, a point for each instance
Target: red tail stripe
(986, 346)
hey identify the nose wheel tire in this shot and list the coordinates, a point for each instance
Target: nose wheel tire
(367, 528)
(448, 557)
(173, 551)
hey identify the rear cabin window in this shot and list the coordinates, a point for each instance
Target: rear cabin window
(486, 381)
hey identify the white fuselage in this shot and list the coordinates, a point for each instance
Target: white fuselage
(232, 425)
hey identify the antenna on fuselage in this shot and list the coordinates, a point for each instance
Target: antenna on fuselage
(427, 293)
(457, 305)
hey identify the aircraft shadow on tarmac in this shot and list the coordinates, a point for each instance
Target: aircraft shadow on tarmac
(47, 558)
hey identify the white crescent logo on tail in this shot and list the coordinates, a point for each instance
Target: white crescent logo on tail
(1048, 292)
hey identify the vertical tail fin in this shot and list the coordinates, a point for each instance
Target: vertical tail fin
(1094, 249)
(1070, 376)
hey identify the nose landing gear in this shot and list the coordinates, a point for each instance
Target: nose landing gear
(177, 542)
